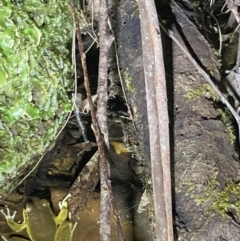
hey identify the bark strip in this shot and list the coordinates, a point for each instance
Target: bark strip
(157, 111)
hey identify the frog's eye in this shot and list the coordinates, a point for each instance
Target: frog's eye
(29, 207)
(44, 203)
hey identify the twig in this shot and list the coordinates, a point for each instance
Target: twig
(219, 33)
(75, 78)
(99, 137)
(157, 112)
(105, 41)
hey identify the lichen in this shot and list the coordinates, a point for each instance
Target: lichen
(35, 78)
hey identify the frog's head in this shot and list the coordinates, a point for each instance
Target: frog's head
(36, 202)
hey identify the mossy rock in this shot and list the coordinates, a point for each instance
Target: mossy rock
(36, 77)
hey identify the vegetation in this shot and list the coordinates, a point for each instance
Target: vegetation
(222, 201)
(35, 77)
(203, 90)
(207, 91)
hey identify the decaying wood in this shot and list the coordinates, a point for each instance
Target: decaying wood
(99, 136)
(196, 125)
(208, 79)
(83, 186)
(157, 111)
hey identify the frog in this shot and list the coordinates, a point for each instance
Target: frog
(40, 222)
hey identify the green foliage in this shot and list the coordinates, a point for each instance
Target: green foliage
(35, 77)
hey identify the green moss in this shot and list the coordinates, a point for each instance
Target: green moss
(203, 90)
(128, 81)
(35, 78)
(221, 201)
(228, 119)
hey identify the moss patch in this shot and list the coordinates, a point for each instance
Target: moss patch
(222, 201)
(203, 90)
(35, 77)
(228, 119)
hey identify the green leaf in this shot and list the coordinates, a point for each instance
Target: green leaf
(24, 74)
(5, 13)
(3, 77)
(6, 41)
(32, 111)
(15, 113)
(33, 33)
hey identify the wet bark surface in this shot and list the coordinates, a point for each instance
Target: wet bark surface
(128, 36)
(202, 146)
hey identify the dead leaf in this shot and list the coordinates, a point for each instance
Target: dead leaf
(119, 147)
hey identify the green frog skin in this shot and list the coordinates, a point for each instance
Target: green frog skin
(40, 222)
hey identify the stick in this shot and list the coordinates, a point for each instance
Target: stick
(82, 129)
(105, 41)
(157, 113)
(99, 137)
